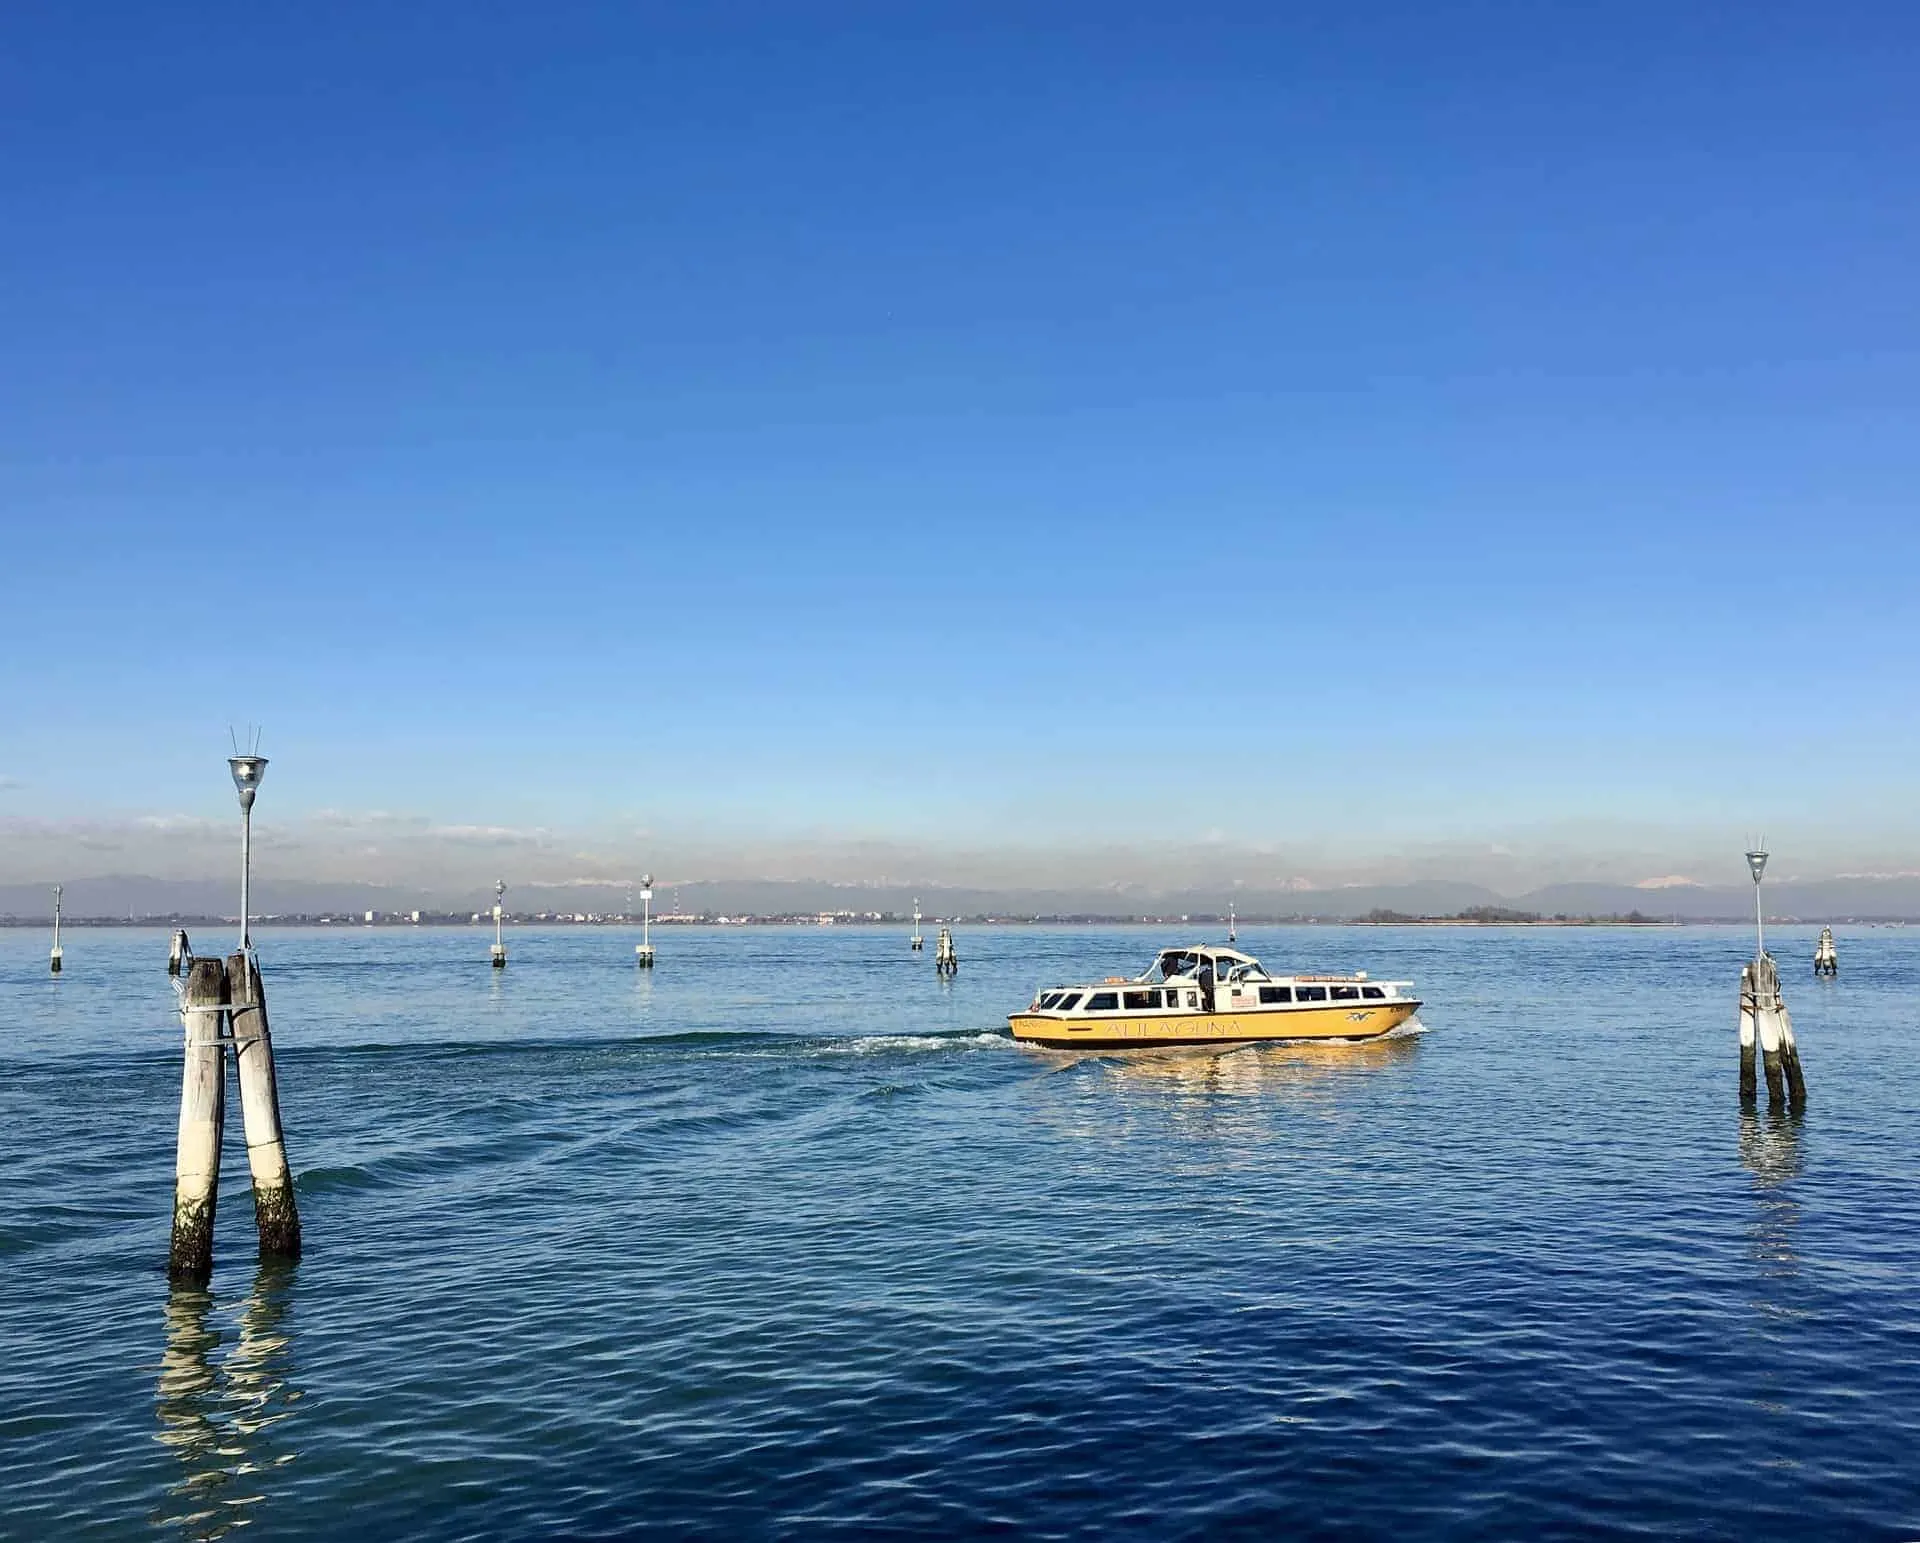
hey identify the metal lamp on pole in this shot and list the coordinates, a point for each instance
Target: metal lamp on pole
(499, 946)
(1757, 861)
(248, 770)
(643, 950)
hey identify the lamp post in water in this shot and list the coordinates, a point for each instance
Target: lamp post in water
(1757, 861)
(643, 950)
(499, 948)
(55, 958)
(247, 771)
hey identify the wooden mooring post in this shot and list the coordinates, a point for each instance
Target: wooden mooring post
(275, 1213)
(203, 1108)
(945, 960)
(223, 1003)
(1749, 1074)
(1826, 958)
(1764, 1017)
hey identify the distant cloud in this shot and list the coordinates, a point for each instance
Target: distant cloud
(490, 835)
(179, 824)
(1669, 881)
(365, 819)
(11, 784)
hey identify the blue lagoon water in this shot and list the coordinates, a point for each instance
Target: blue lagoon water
(786, 1238)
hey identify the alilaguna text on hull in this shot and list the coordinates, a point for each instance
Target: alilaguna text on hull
(1209, 995)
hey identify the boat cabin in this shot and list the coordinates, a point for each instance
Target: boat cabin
(1209, 979)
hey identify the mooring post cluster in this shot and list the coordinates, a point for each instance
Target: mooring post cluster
(1826, 958)
(223, 1005)
(945, 960)
(1764, 1022)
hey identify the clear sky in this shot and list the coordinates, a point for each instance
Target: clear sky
(1329, 427)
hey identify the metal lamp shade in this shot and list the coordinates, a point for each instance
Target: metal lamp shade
(247, 771)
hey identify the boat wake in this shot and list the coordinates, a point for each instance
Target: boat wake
(886, 1044)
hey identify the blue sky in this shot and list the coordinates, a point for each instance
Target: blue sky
(1336, 426)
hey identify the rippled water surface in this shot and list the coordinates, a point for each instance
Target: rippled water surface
(788, 1238)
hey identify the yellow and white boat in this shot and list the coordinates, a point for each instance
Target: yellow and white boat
(1207, 995)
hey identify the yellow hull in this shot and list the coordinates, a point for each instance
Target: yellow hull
(1340, 1020)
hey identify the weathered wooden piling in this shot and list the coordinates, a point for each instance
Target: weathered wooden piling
(275, 1213)
(178, 954)
(945, 960)
(1767, 1024)
(1826, 958)
(1760, 996)
(203, 1105)
(1749, 1073)
(56, 958)
(1779, 1054)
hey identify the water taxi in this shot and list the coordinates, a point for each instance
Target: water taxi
(1210, 995)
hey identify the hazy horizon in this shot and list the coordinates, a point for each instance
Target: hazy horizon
(455, 868)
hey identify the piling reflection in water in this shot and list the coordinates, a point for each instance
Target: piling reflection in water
(217, 1415)
(1770, 1151)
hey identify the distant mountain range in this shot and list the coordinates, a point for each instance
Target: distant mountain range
(131, 897)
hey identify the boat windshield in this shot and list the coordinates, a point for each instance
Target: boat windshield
(1171, 963)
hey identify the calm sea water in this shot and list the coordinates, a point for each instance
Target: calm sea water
(786, 1238)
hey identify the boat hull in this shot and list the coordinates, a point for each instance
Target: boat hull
(1339, 1020)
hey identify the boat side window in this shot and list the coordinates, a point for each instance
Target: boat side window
(1309, 993)
(1140, 999)
(1193, 999)
(1103, 1002)
(1272, 994)
(1346, 993)
(1047, 1001)
(1067, 1003)
(1373, 993)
